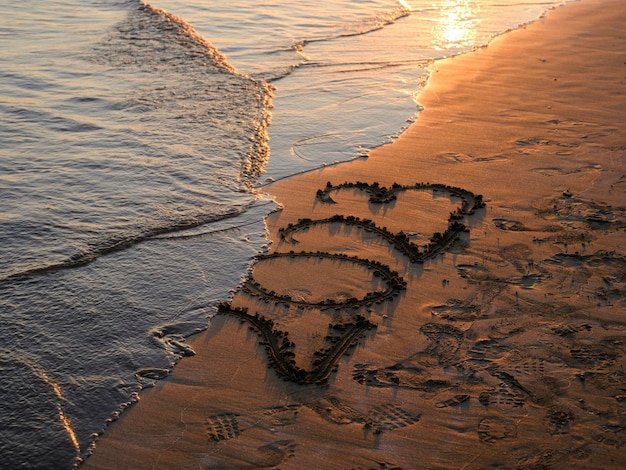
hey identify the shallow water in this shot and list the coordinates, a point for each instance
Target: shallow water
(347, 73)
(131, 143)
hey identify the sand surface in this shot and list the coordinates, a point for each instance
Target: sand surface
(463, 307)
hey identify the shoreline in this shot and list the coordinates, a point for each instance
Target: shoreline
(505, 348)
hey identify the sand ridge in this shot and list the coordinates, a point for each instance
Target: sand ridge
(494, 334)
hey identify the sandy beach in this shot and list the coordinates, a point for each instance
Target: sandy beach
(454, 300)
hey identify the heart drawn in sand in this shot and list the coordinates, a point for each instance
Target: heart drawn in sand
(344, 335)
(381, 199)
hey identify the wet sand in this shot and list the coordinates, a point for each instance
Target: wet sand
(463, 306)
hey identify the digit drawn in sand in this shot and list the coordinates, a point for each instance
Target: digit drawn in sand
(399, 241)
(394, 282)
(279, 347)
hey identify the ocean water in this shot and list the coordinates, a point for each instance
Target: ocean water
(134, 142)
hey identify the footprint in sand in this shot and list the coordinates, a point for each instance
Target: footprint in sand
(222, 427)
(502, 395)
(335, 411)
(532, 366)
(609, 436)
(275, 453)
(593, 214)
(445, 341)
(226, 426)
(495, 429)
(279, 416)
(570, 330)
(453, 401)
(535, 458)
(390, 416)
(381, 418)
(456, 310)
(557, 420)
(599, 356)
(268, 456)
(397, 376)
(613, 382)
(488, 349)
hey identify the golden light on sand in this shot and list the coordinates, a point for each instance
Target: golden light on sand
(457, 23)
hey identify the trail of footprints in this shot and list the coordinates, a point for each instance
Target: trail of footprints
(226, 426)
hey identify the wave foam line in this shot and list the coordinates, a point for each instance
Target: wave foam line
(156, 25)
(117, 244)
(187, 31)
(375, 23)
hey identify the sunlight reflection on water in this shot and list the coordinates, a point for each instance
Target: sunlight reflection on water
(456, 24)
